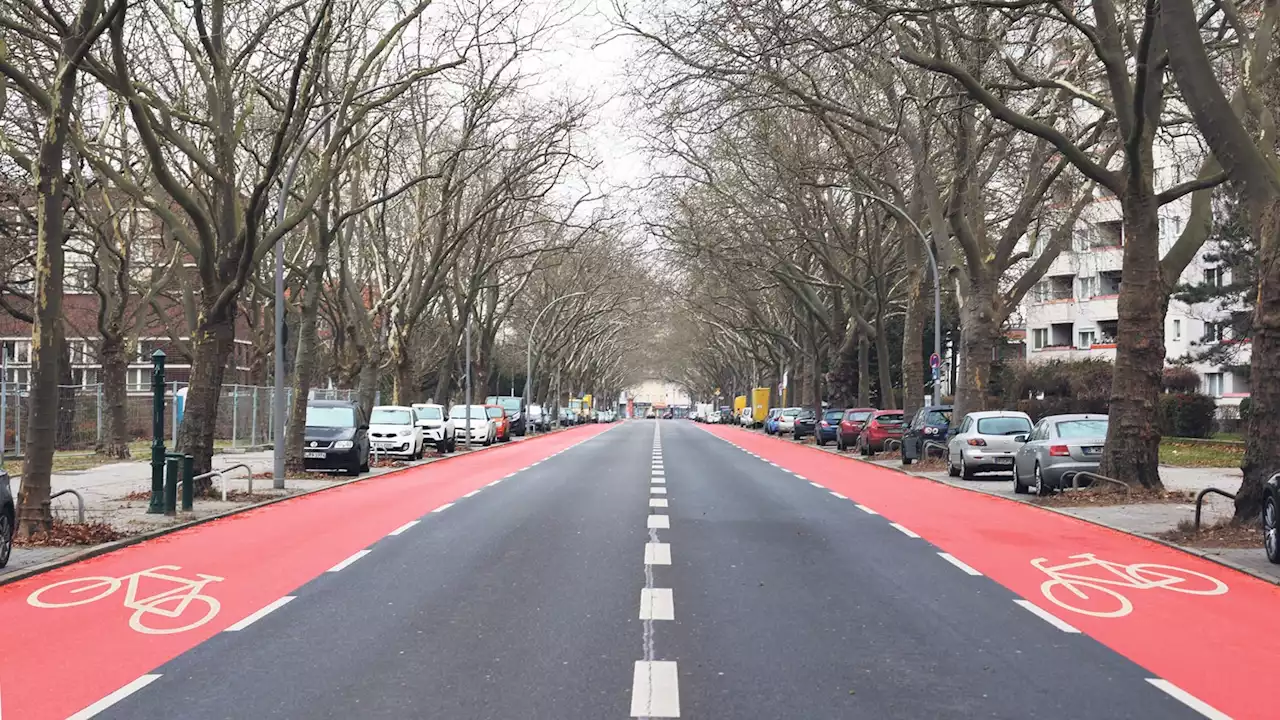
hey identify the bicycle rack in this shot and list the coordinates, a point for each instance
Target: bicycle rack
(79, 500)
(1096, 477)
(924, 448)
(890, 444)
(1200, 500)
(221, 474)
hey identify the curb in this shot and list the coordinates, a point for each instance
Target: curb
(1189, 550)
(114, 545)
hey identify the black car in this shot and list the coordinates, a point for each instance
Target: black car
(931, 422)
(517, 417)
(7, 519)
(804, 423)
(1270, 518)
(337, 437)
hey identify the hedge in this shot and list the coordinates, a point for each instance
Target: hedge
(1186, 415)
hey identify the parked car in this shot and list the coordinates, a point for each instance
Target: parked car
(393, 430)
(568, 417)
(771, 421)
(804, 424)
(538, 418)
(336, 437)
(746, 419)
(483, 429)
(437, 428)
(517, 418)
(931, 422)
(787, 420)
(8, 519)
(1056, 448)
(849, 426)
(1270, 518)
(713, 417)
(499, 417)
(877, 430)
(828, 426)
(984, 442)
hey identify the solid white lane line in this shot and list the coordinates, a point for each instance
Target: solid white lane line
(402, 528)
(836, 494)
(657, 502)
(903, 530)
(115, 697)
(814, 484)
(658, 490)
(659, 522)
(473, 493)
(656, 553)
(356, 556)
(1047, 616)
(959, 563)
(260, 614)
(657, 604)
(867, 510)
(655, 690)
(1189, 700)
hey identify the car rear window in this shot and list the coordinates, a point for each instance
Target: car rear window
(938, 417)
(831, 415)
(331, 417)
(493, 412)
(1004, 426)
(791, 412)
(1072, 429)
(890, 419)
(390, 417)
(861, 415)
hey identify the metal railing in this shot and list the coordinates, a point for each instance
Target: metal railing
(924, 448)
(221, 474)
(79, 502)
(1075, 476)
(1200, 496)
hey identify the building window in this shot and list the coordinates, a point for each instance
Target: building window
(1039, 338)
(1213, 277)
(18, 351)
(1088, 287)
(1087, 339)
(1177, 330)
(1212, 332)
(1213, 384)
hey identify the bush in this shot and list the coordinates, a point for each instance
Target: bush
(1186, 415)
(1180, 379)
(1082, 386)
(1246, 411)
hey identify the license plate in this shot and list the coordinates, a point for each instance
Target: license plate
(1004, 461)
(384, 446)
(313, 456)
(1092, 450)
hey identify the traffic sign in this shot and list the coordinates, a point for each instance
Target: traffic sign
(935, 362)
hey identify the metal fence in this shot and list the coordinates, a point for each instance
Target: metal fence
(244, 415)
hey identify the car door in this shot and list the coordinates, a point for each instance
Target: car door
(1024, 459)
(955, 444)
(362, 434)
(911, 437)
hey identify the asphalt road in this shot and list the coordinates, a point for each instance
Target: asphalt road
(652, 570)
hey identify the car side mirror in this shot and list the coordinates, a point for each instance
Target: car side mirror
(1020, 438)
(363, 427)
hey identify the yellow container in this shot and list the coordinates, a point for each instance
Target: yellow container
(759, 404)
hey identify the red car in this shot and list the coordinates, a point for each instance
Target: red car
(851, 426)
(499, 416)
(881, 426)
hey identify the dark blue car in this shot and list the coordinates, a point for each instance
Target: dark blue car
(828, 426)
(931, 422)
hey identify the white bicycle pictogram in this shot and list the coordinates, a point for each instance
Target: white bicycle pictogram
(147, 610)
(1092, 594)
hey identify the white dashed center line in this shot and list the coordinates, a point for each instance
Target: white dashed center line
(959, 563)
(443, 507)
(904, 530)
(659, 522)
(836, 494)
(655, 690)
(1047, 617)
(356, 556)
(473, 493)
(657, 553)
(402, 528)
(657, 502)
(657, 604)
(115, 697)
(813, 484)
(867, 510)
(261, 614)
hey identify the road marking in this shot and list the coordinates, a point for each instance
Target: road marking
(1047, 616)
(472, 493)
(657, 604)
(657, 502)
(443, 507)
(655, 690)
(657, 491)
(349, 560)
(260, 614)
(115, 697)
(867, 510)
(509, 475)
(813, 483)
(959, 563)
(836, 494)
(656, 553)
(903, 530)
(658, 480)
(659, 522)
(495, 482)
(402, 528)
(1188, 699)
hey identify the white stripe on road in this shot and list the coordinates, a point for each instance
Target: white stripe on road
(260, 614)
(472, 493)
(655, 690)
(959, 563)
(842, 497)
(658, 480)
(1189, 700)
(657, 604)
(657, 553)
(402, 528)
(495, 482)
(443, 507)
(812, 483)
(867, 510)
(657, 502)
(903, 530)
(115, 697)
(1047, 616)
(657, 491)
(659, 522)
(348, 561)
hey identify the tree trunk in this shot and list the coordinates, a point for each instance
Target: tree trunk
(304, 362)
(115, 371)
(884, 363)
(212, 342)
(912, 346)
(1132, 452)
(444, 376)
(1262, 443)
(404, 379)
(367, 387)
(977, 340)
(864, 370)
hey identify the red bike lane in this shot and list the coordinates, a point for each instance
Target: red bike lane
(1220, 647)
(60, 660)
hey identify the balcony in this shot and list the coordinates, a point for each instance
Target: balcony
(1055, 288)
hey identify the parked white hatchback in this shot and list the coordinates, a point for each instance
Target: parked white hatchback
(483, 429)
(985, 442)
(437, 428)
(394, 431)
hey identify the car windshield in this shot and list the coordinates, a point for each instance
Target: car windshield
(494, 412)
(831, 415)
(459, 412)
(390, 416)
(430, 413)
(857, 415)
(938, 417)
(1004, 426)
(331, 417)
(1073, 429)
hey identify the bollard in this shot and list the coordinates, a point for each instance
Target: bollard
(171, 485)
(188, 483)
(156, 506)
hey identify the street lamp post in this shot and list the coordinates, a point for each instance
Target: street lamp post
(937, 286)
(528, 358)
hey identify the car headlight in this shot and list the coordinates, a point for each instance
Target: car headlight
(406, 433)
(343, 445)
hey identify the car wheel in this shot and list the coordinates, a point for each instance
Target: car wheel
(1018, 487)
(1270, 531)
(6, 538)
(965, 472)
(951, 469)
(865, 447)
(820, 441)
(1040, 488)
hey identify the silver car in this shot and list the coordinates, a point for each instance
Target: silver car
(985, 442)
(787, 419)
(1058, 447)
